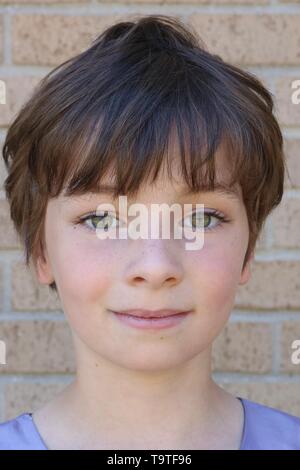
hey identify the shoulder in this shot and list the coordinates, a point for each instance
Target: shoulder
(20, 434)
(269, 428)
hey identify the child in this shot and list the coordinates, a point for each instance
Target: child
(103, 125)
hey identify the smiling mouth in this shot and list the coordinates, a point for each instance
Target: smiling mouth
(163, 319)
(151, 314)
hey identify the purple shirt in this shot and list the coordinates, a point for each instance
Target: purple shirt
(265, 428)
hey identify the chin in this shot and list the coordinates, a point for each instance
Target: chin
(151, 362)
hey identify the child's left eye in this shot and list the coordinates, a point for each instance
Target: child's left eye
(203, 217)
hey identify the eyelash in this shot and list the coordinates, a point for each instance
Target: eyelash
(218, 215)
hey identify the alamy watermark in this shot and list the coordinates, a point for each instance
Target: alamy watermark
(295, 357)
(2, 352)
(2, 92)
(139, 226)
(296, 94)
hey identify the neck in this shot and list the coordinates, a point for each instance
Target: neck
(125, 408)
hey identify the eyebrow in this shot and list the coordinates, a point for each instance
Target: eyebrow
(220, 188)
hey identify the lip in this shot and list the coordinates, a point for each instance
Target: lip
(142, 313)
(153, 323)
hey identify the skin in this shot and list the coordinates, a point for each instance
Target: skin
(144, 389)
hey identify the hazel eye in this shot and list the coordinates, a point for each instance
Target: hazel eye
(104, 221)
(201, 220)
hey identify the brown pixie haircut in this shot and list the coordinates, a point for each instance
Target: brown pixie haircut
(116, 105)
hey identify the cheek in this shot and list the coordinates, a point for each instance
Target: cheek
(216, 270)
(84, 270)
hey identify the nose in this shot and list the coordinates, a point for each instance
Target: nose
(154, 266)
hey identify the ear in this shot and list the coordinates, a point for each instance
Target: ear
(42, 267)
(246, 272)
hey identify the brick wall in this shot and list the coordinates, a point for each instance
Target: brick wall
(252, 357)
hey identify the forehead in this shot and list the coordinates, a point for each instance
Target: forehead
(221, 189)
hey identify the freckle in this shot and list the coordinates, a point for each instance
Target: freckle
(161, 337)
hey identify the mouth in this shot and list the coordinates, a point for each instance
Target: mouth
(151, 314)
(147, 319)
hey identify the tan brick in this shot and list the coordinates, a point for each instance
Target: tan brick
(243, 347)
(290, 331)
(28, 293)
(8, 235)
(273, 285)
(40, 2)
(24, 397)
(18, 90)
(267, 39)
(247, 39)
(197, 2)
(52, 39)
(287, 111)
(283, 396)
(291, 148)
(1, 289)
(286, 223)
(1, 40)
(37, 346)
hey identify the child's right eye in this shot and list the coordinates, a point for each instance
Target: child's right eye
(103, 221)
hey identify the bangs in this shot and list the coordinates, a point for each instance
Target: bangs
(129, 126)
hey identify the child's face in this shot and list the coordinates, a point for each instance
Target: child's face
(94, 276)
